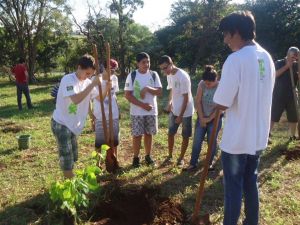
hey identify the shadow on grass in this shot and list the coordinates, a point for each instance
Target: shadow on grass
(42, 108)
(33, 211)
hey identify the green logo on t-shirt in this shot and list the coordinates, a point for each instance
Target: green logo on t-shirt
(262, 70)
(137, 90)
(72, 108)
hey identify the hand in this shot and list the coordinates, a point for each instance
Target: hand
(96, 81)
(143, 92)
(289, 62)
(202, 122)
(147, 107)
(178, 120)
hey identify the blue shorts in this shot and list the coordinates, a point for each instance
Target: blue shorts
(186, 126)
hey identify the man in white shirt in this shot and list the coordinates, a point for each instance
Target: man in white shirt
(181, 106)
(245, 92)
(141, 88)
(72, 104)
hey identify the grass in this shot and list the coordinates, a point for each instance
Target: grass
(25, 176)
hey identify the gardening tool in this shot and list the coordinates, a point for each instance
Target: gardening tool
(95, 53)
(295, 96)
(111, 162)
(196, 220)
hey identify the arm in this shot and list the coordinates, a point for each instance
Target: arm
(129, 96)
(199, 107)
(183, 108)
(280, 71)
(77, 98)
(151, 90)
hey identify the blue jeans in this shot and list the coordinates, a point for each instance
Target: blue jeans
(199, 135)
(240, 178)
(23, 88)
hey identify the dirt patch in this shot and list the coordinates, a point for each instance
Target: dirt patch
(2, 166)
(12, 128)
(137, 207)
(292, 154)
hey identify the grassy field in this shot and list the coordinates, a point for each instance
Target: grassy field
(25, 176)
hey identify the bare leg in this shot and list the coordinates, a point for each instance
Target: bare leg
(136, 145)
(148, 143)
(184, 145)
(170, 144)
(292, 129)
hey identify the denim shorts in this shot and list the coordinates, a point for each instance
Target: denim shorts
(67, 145)
(100, 140)
(141, 125)
(186, 126)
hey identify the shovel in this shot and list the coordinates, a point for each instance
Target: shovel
(295, 95)
(196, 219)
(111, 162)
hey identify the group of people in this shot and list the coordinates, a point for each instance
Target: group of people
(244, 93)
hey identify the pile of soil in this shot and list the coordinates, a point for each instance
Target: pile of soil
(10, 126)
(137, 207)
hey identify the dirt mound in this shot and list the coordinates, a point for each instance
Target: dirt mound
(137, 207)
(13, 129)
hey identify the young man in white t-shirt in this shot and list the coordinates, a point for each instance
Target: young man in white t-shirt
(106, 84)
(181, 106)
(72, 104)
(245, 92)
(141, 88)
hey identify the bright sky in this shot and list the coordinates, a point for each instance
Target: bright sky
(154, 14)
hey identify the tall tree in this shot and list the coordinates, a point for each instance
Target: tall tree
(25, 20)
(277, 24)
(124, 9)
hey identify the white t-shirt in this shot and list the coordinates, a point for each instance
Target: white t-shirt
(141, 81)
(97, 106)
(68, 113)
(180, 84)
(246, 88)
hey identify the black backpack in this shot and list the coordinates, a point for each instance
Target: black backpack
(133, 75)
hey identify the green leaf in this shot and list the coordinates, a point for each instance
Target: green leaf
(104, 147)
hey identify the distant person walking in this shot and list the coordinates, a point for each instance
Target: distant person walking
(21, 75)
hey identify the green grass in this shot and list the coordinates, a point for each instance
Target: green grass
(25, 176)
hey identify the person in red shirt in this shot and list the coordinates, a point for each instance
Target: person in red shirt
(21, 75)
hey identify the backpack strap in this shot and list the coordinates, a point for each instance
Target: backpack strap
(133, 75)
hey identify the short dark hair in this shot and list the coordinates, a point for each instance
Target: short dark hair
(242, 22)
(209, 74)
(87, 61)
(141, 56)
(21, 60)
(165, 59)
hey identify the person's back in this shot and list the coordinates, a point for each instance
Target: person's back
(252, 105)
(19, 71)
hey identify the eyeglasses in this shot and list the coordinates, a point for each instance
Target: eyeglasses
(166, 67)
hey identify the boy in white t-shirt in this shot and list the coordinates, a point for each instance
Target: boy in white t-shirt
(141, 88)
(72, 104)
(181, 106)
(245, 92)
(106, 84)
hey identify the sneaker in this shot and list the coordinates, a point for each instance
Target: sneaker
(190, 168)
(149, 160)
(180, 162)
(168, 160)
(136, 162)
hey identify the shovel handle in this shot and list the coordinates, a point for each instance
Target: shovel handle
(200, 192)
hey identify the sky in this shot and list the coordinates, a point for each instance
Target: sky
(154, 14)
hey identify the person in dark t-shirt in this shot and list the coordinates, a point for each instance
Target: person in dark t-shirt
(283, 97)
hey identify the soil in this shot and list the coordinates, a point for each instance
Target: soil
(292, 154)
(137, 206)
(2, 166)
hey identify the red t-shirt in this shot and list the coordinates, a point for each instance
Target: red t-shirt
(19, 72)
